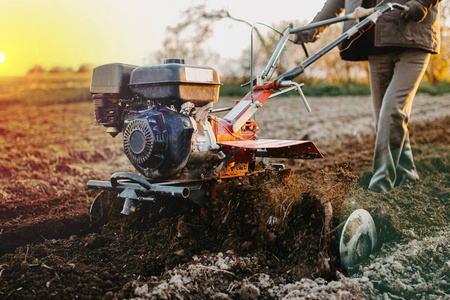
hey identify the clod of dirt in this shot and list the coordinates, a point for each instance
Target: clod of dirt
(206, 278)
(417, 269)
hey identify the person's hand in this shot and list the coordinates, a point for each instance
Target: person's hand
(417, 11)
(307, 36)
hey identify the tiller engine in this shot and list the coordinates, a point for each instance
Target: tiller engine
(170, 133)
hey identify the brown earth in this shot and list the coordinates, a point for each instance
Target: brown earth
(51, 248)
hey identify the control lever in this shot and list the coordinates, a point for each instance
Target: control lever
(299, 89)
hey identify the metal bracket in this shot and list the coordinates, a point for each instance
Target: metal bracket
(130, 196)
(226, 160)
(134, 188)
(292, 88)
(298, 87)
(243, 111)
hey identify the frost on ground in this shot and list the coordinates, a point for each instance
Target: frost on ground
(214, 277)
(418, 269)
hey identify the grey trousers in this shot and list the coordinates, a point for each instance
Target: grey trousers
(394, 79)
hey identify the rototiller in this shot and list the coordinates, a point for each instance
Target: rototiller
(181, 149)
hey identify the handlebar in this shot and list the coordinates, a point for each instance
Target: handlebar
(372, 15)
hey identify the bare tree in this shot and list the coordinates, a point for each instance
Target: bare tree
(188, 39)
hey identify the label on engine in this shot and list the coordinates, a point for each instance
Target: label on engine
(199, 75)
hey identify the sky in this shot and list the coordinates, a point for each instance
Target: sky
(69, 33)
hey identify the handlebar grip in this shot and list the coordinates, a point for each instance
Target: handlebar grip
(392, 6)
(290, 75)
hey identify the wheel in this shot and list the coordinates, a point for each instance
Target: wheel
(358, 239)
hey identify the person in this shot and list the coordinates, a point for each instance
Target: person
(398, 48)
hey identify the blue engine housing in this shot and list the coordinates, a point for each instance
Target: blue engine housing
(157, 141)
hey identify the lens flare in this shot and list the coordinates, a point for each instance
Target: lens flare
(2, 57)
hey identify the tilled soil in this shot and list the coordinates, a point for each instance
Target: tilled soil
(51, 248)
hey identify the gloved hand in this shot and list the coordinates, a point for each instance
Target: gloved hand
(307, 36)
(417, 11)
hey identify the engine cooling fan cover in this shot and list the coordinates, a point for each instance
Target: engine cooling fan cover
(138, 141)
(158, 142)
(145, 142)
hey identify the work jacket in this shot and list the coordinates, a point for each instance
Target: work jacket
(391, 29)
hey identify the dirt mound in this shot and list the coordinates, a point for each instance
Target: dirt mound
(262, 238)
(126, 252)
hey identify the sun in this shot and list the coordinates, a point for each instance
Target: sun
(2, 57)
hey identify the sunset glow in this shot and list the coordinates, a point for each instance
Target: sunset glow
(67, 34)
(2, 57)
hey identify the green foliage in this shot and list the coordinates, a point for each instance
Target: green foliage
(337, 90)
(233, 90)
(440, 88)
(330, 90)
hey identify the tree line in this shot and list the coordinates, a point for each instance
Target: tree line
(37, 69)
(189, 40)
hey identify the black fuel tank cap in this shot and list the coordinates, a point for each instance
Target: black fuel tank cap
(174, 61)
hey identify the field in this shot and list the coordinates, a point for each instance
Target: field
(51, 248)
